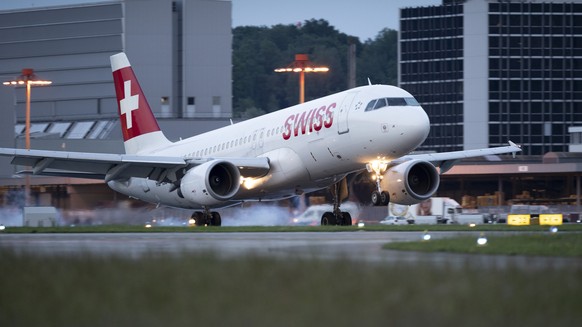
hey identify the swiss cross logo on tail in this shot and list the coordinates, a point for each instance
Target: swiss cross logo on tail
(135, 113)
(128, 104)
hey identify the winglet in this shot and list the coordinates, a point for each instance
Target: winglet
(515, 146)
(140, 129)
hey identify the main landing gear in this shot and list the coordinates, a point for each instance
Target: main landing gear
(379, 197)
(337, 217)
(207, 218)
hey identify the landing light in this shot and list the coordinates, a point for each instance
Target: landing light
(148, 226)
(472, 225)
(2, 228)
(377, 166)
(361, 224)
(191, 222)
(249, 183)
(553, 229)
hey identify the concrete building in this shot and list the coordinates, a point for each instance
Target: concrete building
(180, 49)
(492, 71)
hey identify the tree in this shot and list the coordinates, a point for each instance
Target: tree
(257, 51)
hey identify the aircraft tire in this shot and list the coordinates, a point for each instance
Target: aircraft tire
(328, 218)
(346, 219)
(216, 220)
(199, 218)
(384, 198)
(375, 198)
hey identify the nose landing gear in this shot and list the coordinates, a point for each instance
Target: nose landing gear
(378, 168)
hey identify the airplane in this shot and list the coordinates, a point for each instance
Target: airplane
(297, 150)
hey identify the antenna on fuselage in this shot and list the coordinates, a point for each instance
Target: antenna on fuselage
(369, 82)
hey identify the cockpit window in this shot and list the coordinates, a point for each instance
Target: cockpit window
(370, 105)
(380, 104)
(394, 102)
(411, 102)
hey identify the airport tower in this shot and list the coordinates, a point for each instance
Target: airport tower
(492, 71)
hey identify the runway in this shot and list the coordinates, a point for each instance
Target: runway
(354, 246)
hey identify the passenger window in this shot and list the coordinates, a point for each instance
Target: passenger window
(381, 103)
(370, 105)
(396, 102)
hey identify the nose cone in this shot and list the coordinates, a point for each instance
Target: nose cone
(411, 129)
(420, 126)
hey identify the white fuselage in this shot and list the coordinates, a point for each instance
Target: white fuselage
(310, 146)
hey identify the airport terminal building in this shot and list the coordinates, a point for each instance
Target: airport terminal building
(181, 51)
(491, 71)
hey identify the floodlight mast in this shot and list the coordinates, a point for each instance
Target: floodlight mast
(29, 79)
(302, 65)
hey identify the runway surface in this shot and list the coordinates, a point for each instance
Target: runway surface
(356, 246)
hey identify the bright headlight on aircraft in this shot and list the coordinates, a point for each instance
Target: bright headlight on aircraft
(191, 222)
(250, 183)
(553, 229)
(148, 226)
(361, 224)
(2, 227)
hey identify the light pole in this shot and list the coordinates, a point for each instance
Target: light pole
(28, 79)
(302, 65)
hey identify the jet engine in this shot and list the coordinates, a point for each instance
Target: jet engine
(211, 183)
(411, 182)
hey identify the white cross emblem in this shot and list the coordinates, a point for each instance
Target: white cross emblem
(129, 103)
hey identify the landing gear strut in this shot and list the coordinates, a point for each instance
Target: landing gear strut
(207, 218)
(337, 217)
(379, 197)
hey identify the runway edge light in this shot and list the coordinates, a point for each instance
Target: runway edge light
(482, 240)
(426, 236)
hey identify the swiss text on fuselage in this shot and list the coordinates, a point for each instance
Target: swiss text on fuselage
(308, 121)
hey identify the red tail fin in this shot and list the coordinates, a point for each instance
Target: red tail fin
(140, 129)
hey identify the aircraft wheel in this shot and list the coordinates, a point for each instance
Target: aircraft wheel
(347, 219)
(216, 220)
(199, 218)
(328, 219)
(384, 198)
(376, 198)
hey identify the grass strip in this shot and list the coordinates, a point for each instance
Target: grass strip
(557, 245)
(203, 290)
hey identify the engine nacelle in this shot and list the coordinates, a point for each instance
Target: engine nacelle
(211, 183)
(411, 182)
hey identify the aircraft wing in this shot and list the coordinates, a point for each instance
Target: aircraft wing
(446, 160)
(118, 166)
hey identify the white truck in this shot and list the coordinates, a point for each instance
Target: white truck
(436, 210)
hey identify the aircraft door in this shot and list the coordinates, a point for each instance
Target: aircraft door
(258, 141)
(344, 111)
